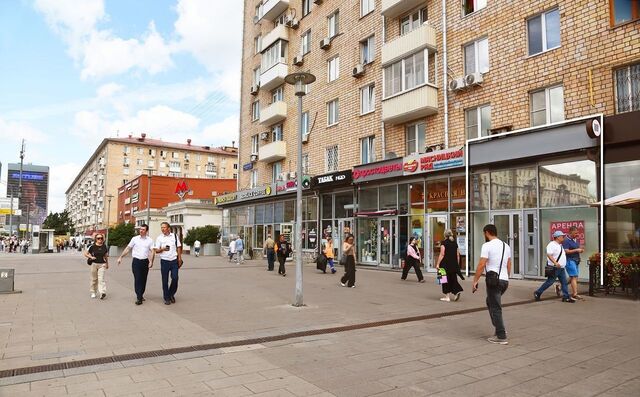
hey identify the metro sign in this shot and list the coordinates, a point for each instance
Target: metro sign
(182, 189)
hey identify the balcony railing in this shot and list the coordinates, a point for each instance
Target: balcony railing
(280, 32)
(274, 76)
(398, 48)
(273, 113)
(271, 9)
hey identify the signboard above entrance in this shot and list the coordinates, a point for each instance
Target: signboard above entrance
(379, 170)
(342, 178)
(243, 195)
(433, 161)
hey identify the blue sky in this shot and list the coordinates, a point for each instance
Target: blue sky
(73, 72)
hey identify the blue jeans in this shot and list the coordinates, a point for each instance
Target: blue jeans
(166, 267)
(559, 274)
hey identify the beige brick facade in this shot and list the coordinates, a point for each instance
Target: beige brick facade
(584, 63)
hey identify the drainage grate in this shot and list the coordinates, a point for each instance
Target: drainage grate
(243, 342)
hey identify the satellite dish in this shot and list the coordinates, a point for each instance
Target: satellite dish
(391, 155)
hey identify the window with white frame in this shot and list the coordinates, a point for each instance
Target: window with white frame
(331, 158)
(258, 10)
(254, 179)
(276, 170)
(126, 149)
(255, 111)
(547, 106)
(333, 22)
(367, 50)
(305, 164)
(405, 74)
(257, 44)
(174, 164)
(275, 54)
(416, 137)
(306, 7)
(277, 95)
(306, 42)
(477, 121)
(367, 99)
(139, 162)
(256, 77)
(628, 88)
(366, 6)
(412, 21)
(305, 124)
(281, 19)
(543, 31)
(333, 68)
(367, 150)
(125, 160)
(277, 133)
(476, 56)
(175, 155)
(150, 163)
(332, 112)
(140, 151)
(469, 6)
(254, 144)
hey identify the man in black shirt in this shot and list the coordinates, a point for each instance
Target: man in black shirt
(97, 257)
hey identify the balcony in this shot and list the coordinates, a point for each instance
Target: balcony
(274, 76)
(280, 32)
(273, 151)
(423, 37)
(395, 8)
(273, 113)
(271, 9)
(419, 102)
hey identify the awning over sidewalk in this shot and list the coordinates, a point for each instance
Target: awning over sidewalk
(628, 199)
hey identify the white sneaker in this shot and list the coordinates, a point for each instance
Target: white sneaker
(343, 284)
(93, 295)
(456, 297)
(445, 299)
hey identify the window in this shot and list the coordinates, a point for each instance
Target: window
(254, 178)
(140, 151)
(255, 111)
(367, 150)
(305, 123)
(139, 162)
(367, 99)
(544, 32)
(275, 54)
(175, 155)
(547, 106)
(256, 77)
(332, 158)
(332, 112)
(126, 149)
(366, 6)
(305, 164)
(628, 88)
(152, 152)
(306, 7)
(258, 10)
(478, 121)
(125, 161)
(211, 167)
(254, 144)
(277, 95)
(281, 19)
(623, 11)
(333, 68)
(276, 131)
(469, 6)
(413, 21)
(367, 50)
(306, 43)
(276, 170)
(150, 163)
(333, 21)
(416, 138)
(405, 74)
(476, 57)
(257, 44)
(235, 166)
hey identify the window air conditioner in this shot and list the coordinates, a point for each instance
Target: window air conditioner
(292, 22)
(298, 60)
(254, 158)
(473, 79)
(358, 70)
(325, 43)
(254, 89)
(457, 84)
(264, 135)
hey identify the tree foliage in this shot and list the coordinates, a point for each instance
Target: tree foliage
(206, 234)
(120, 235)
(60, 222)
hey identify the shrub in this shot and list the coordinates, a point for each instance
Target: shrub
(206, 234)
(120, 235)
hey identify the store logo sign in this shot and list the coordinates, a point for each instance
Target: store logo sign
(336, 178)
(387, 169)
(182, 189)
(433, 161)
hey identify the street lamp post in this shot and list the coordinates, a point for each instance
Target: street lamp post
(109, 197)
(149, 173)
(299, 81)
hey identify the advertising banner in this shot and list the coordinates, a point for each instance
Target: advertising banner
(433, 161)
(564, 227)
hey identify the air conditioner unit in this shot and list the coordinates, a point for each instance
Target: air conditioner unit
(473, 79)
(325, 43)
(358, 70)
(298, 60)
(254, 158)
(254, 89)
(292, 22)
(282, 176)
(457, 84)
(292, 175)
(264, 135)
(305, 138)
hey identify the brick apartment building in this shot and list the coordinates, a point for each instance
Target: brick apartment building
(389, 130)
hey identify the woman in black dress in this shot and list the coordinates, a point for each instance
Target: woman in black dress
(449, 260)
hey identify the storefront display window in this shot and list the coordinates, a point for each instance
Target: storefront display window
(342, 200)
(309, 208)
(279, 212)
(568, 184)
(622, 225)
(438, 195)
(417, 198)
(368, 199)
(268, 213)
(259, 214)
(403, 235)
(514, 188)
(480, 191)
(367, 240)
(458, 194)
(478, 220)
(388, 197)
(289, 211)
(403, 199)
(416, 230)
(327, 206)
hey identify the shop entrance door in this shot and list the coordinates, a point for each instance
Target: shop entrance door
(344, 227)
(436, 225)
(509, 225)
(531, 262)
(388, 242)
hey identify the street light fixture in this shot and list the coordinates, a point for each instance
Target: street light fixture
(299, 81)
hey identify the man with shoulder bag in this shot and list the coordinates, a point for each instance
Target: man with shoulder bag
(495, 257)
(555, 269)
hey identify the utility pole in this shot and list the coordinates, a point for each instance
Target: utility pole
(20, 183)
(149, 173)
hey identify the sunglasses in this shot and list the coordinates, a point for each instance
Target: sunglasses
(99, 238)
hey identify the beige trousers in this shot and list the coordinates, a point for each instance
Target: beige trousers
(97, 278)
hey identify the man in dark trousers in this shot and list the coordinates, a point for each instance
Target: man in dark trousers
(283, 249)
(269, 247)
(142, 248)
(170, 249)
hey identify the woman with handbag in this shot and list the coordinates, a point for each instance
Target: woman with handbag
(349, 261)
(449, 260)
(413, 260)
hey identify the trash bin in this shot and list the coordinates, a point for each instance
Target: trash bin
(6, 280)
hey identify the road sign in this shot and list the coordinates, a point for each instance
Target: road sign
(7, 211)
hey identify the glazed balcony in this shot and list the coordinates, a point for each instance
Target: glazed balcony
(410, 105)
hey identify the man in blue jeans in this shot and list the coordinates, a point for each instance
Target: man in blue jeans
(170, 250)
(557, 258)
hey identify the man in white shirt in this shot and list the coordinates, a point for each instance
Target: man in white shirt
(196, 247)
(170, 250)
(232, 249)
(142, 248)
(495, 256)
(556, 258)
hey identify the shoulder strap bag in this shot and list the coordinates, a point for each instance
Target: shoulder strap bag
(550, 271)
(492, 278)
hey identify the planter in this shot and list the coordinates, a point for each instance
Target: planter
(211, 249)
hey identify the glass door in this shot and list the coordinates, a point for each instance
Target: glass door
(509, 227)
(344, 227)
(436, 225)
(531, 264)
(388, 242)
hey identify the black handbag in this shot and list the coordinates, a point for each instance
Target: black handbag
(492, 279)
(550, 271)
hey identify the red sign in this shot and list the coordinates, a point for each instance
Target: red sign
(433, 161)
(564, 227)
(388, 169)
(182, 189)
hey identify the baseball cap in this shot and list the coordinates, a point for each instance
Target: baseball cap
(558, 233)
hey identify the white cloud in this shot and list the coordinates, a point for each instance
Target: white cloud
(223, 132)
(13, 131)
(108, 90)
(61, 176)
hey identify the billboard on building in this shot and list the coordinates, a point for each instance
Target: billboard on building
(34, 203)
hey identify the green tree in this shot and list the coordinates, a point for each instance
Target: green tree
(60, 222)
(120, 235)
(206, 234)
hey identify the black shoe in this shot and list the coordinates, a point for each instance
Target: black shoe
(102, 296)
(536, 296)
(167, 302)
(569, 300)
(138, 302)
(284, 274)
(173, 299)
(143, 299)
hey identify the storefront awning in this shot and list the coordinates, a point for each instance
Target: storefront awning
(376, 213)
(628, 199)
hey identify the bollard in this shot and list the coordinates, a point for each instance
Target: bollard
(6, 281)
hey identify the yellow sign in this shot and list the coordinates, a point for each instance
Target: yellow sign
(7, 211)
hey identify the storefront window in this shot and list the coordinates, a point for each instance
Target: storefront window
(367, 240)
(458, 194)
(289, 211)
(368, 199)
(342, 199)
(438, 195)
(416, 228)
(268, 213)
(388, 197)
(327, 206)
(480, 191)
(259, 214)
(310, 235)
(417, 198)
(514, 188)
(568, 184)
(309, 208)
(621, 177)
(279, 212)
(403, 199)
(403, 236)
(622, 225)
(260, 236)
(478, 221)
(250, 215)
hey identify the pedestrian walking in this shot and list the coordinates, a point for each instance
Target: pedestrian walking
(349, 261)
(141, 248)
(170, 250)
(269, 249)
(555, 269)
(98, 258)
(573, 250)
(240, 250)
(495, 259)
(413, 260)
(329, 253)
(232, 249)
(283, 250)
(196, 247)
(449, 260)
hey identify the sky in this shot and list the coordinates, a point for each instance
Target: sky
(74, 72)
